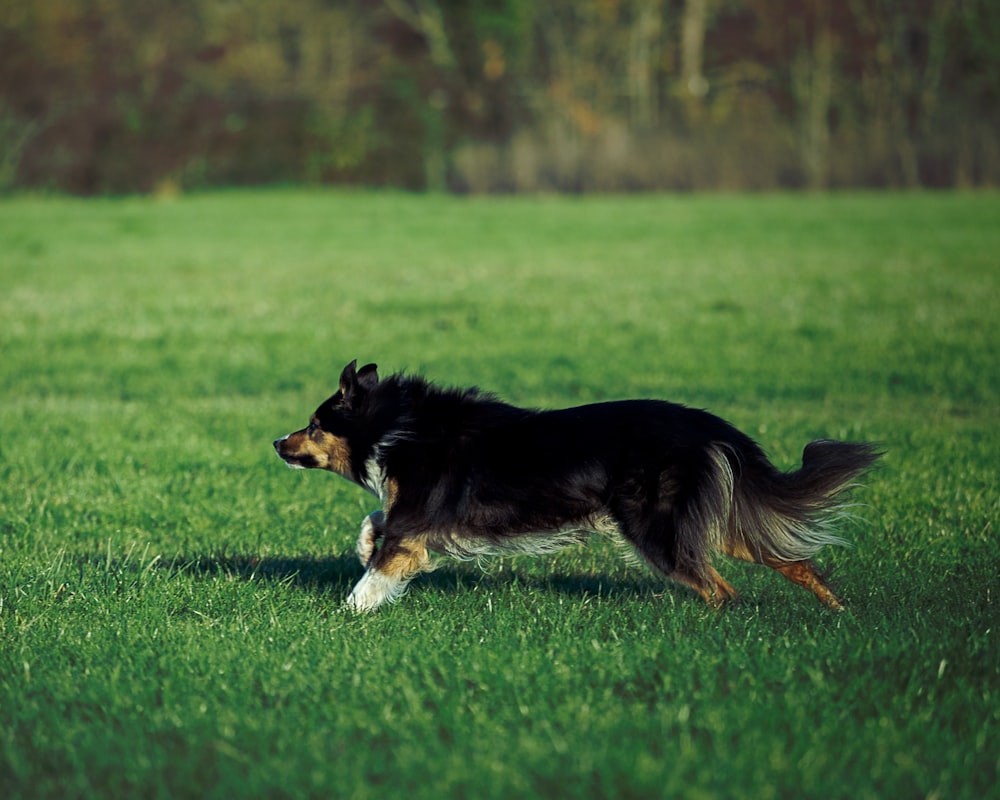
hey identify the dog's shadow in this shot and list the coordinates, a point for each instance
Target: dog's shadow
(332, 574)
(320, 574)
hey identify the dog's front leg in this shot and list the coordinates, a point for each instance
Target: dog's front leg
(389, 572)
(371, 532)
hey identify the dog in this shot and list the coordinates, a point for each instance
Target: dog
(461, 473)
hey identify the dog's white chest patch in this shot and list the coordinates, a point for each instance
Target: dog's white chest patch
(375, 477)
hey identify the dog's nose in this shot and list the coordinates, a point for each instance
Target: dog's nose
(277, 443)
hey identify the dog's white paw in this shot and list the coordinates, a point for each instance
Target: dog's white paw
(374, 589)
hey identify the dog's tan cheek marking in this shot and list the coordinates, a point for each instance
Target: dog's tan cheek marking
(337, 454)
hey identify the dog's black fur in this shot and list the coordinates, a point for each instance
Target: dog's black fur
(461, 473)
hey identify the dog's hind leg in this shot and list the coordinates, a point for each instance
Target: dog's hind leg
(713, 588)
(389, 572)
(802, 572)
(805, 575)
(659, 540)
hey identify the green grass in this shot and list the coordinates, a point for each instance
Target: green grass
(169, 592)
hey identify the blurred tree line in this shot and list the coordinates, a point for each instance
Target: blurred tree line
(101, 96)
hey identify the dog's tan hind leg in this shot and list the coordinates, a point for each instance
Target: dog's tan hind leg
(805, 575)
(802, 573)
(713, 588)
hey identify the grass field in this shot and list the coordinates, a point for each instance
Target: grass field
(169, 592)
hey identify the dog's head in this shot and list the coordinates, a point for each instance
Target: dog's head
(330, 438)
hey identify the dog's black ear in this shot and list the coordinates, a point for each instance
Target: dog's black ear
(368, 377)
(353, 382)
(349, 379)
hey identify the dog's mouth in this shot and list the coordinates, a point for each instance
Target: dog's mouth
(293, 460)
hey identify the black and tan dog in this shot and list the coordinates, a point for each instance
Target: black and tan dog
(463, 474)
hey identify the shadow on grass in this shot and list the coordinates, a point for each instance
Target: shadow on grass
(339, 573)
(336, 574)
(306, 572)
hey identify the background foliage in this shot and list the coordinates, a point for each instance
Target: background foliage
(104, 96)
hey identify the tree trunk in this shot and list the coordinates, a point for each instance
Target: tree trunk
(812, 76)
(643, 56)
(693, 27)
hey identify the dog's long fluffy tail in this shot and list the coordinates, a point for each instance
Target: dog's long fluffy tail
(775, 516)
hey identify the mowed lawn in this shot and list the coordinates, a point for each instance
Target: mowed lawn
(170, 621)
